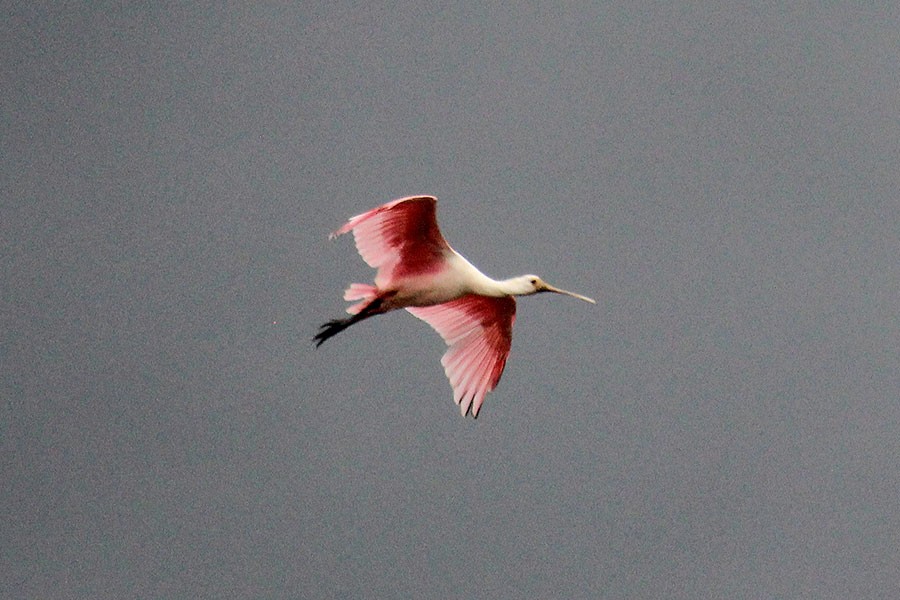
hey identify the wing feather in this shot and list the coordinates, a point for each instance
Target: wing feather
(476, 358)
(479, 372)
(478, 331)
(399, 238)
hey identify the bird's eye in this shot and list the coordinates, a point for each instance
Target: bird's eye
(533, 281)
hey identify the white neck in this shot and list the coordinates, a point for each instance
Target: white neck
(481, 284)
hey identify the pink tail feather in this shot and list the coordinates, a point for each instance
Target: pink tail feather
(360, 291)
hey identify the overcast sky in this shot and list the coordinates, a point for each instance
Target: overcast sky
(724, 423)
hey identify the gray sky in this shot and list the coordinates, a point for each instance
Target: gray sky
(723, 424)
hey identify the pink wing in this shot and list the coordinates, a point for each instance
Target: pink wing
(478, 330)
(399, 238)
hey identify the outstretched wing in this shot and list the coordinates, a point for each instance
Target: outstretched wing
(478, 330)
(399, 238)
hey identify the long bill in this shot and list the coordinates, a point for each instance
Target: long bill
(556, 290)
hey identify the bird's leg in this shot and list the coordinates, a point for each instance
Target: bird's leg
(335, 326)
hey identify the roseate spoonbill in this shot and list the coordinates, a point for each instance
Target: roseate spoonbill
(419, 271)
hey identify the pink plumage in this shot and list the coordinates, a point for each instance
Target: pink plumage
(419, 271)
(478, 330)
(399, 238)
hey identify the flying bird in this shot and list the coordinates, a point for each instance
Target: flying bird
(419, 271)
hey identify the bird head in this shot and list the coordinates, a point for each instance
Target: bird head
(532, 284)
